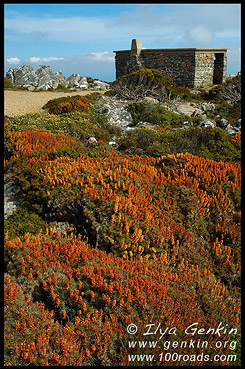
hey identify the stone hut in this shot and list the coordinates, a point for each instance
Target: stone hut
(190, 67)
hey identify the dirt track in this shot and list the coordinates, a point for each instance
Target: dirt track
(22, 102)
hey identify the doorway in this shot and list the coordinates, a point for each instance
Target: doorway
(218, 68)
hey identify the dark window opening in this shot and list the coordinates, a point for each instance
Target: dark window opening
(218, 68)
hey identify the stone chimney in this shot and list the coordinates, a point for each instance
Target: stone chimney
(136, 46)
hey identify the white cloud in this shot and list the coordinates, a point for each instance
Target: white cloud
(200, 35)
(72, 30)
(104, 56)
(157, 18)
(13, 60)
(35, 59)
(158, 26)
(234, 59)
(186, 22)
(99, 65)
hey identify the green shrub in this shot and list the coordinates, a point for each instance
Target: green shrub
(210, 143)
(155, 114)
(147, 78)
(185, 94)
(144, 82)
(213, 93)
(77, 124)
(23, 221)
(152, 82)
(227, 111)
(67, 104)
(93, 97)
(8, 83)
(232, 89)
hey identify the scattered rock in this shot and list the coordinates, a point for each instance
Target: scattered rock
(11, 200)
(63, 227)
(76, 81)
(204, 106)
(43, 79)
(187, 123)
(208, 123)
(223, 123)
(232, 130)
(115, 110)
(99, 85)
(117, 113)
(92, 141)
(146, 125)
(202, 115)
(238, 125)
(30, 88)
(187, 108)
(195, 92)
(151, 100)
(119, 116)
(113, 144)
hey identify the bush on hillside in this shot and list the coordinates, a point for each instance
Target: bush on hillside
(232, 89)
(229, 91)
(144, 82)
(23, 221)
(67, 104)
(8, 83)
(213, 93)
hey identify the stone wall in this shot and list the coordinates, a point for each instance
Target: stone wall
(188, 67)
(180, 65)
(210, 68)
(204, 69)
(121, 61)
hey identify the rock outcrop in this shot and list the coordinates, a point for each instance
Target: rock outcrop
(75, 80)
(43, 79)
(118, 114)
(11, 200)
(116, 111)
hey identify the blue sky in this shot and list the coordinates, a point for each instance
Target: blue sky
(80, 38)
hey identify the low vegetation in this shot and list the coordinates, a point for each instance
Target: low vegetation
(67, 104)
(144, 82)
(156, 114)
(155, 235)
(210, 143)
(7, 83)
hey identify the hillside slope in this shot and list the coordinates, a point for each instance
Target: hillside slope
(151, 252)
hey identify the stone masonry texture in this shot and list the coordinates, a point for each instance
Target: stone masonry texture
(190, 67)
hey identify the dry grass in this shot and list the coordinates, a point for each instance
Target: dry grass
(22, 102)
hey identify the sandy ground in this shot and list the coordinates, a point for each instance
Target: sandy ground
(22, 102)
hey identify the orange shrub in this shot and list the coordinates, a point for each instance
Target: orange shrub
(67, 104)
